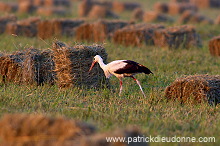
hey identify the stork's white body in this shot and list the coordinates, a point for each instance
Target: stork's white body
(121, 69)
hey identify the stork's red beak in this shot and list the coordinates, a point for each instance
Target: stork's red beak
(93, 63)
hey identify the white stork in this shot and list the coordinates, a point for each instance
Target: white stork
(121, 69)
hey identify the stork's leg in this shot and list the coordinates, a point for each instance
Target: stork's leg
(120, 87)
(139, 85)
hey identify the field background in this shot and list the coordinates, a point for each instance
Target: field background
(105, 109)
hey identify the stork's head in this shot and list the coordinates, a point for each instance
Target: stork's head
(95, 60)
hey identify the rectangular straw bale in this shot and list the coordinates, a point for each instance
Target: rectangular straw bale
(178, 8)
(72, 65)
(21, 129)
(26, 7)
(206, 3)
(6, 19)
(136, 35)
(104, 29)
(177, 37)
(25, 27)
(57, 27)
(123, 6)
(193, 17)
(214, 46)
(48, 11)
(152, 16)
(51, 3)
(84, 8)
(29, 66)
(195, 89)
(98, 31)
(8, 7)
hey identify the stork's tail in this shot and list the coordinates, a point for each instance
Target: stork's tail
(145, 69)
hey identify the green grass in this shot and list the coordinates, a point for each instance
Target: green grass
(105, 109)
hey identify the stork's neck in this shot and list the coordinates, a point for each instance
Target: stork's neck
(101, 63)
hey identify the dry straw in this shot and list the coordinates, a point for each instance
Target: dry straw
(184, 36)
(57, 27)
(48, 11)
(6, 19)
(195, 89)
(30, 66)
(72, 65)
(214, 46)
(8, 7)
(151, 16)
(193, 17)
(99, 31)
(25, 27)
(39, 130)
(136, 34)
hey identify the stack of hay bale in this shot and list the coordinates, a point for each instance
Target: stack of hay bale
(206, 3)
(24, 129)
(98, 31)
(177, 37)
(57, 27)
(72, 65)
(30, 66)
(4, 20)
(151, 16)
(195, 89)
(66, 66)
(8, 6)
(214, 46)
(174, 8)
(25, 27)
(95, 9)
(217, 20)
(124, 6)
(192, 17)
(136, 35)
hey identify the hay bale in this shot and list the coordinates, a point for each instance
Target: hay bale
(124, 6)
(192, 17)
(180, 1)
(161, 7)
(99, 139)
(214, 46)
(84, 8)
(217, 20)
(38, 2)
(136, 35)
(177, 37)
(8, 7)
(4, 20)
(178, 8)
(98, 31)
(195, 89)
(152, 16)
(26, 7)
(48, 11)
(24, 129)
(137, 14)
(30, 66)
(25, 27)
(206, 3)
(72, 65)
(99, 11)
(51, 3)
(57, 27)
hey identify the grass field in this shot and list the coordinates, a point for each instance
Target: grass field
(105, 109)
